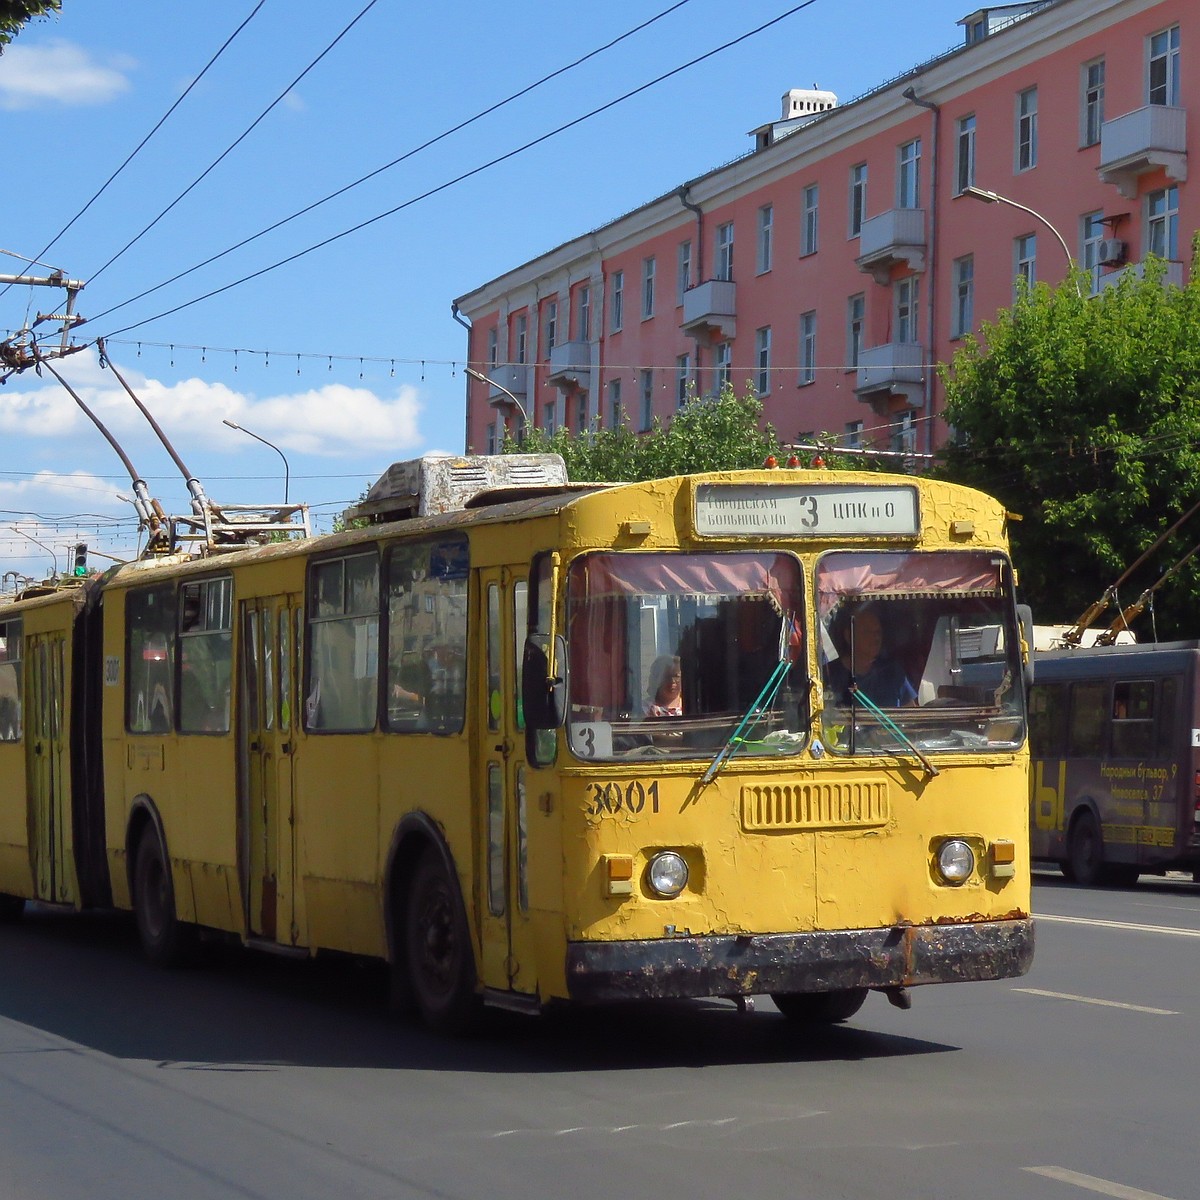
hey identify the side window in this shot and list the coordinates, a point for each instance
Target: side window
(539, 609)
(427, 635)
(10, 681)
(1133, 718)
(1089, 719)
(1048, 720)
(205, 655)
(150, 660)
(343, 644)
(1167, 718)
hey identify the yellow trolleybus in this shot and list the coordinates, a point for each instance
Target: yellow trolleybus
(716, 735)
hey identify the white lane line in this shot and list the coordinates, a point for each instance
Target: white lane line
(1134, 925)
(1105, 1187)
(613, 1129)
(1155, 1012)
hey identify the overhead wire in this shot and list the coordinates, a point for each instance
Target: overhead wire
(235, 143)
(469, 174)
(425, 145)
(137, 149)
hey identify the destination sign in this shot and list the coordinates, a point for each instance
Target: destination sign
(793, 510)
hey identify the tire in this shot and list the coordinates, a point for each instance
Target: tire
(1085, 851)
(11, 908)
(820, 1008)
(437, 949)
(166, 941)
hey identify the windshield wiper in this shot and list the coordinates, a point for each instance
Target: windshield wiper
(857, 693)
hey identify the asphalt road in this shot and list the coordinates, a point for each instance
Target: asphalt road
(261, 1078)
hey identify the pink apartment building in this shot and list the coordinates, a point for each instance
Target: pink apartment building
(843, 257)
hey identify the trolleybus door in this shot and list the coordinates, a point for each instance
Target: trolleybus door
(49, 792)
(267, 744)
(503, 884)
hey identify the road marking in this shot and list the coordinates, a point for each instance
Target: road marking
(1105, 1187)
(1140, 928)
(1156, 1012)
(613, 1129)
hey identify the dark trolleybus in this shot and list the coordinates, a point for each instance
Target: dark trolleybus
(718, 735)
(1115, 779)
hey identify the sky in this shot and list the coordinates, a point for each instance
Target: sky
(160, 153)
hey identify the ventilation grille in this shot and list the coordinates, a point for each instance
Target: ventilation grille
(846, 804)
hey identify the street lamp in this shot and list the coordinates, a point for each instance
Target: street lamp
(480, 377)
(978, 193)
(287, 474)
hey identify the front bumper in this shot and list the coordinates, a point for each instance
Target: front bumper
(896, 956)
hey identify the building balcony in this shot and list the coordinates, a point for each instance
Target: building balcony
(710, 308)
(895, 368)
(1141, 141)
(894, 237)
(1172, 275)
(505, 378)
(571, 366)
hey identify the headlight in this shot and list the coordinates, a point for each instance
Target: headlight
(667, 874)
(955, 860)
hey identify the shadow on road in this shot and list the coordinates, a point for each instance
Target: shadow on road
(81, 978)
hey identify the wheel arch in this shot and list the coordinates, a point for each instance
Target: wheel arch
(143, 815)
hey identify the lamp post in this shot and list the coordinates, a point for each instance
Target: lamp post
(480, 377)
(287, 474)
(978, 193)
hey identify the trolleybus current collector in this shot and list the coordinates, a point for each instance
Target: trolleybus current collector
(432, 740)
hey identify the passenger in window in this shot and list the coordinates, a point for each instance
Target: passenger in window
(665, 688)
(872, 670)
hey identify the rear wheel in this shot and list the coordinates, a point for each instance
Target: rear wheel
(166, 941)
(1085, 851)
(11, 907)
(820, 1008)
(441, 963)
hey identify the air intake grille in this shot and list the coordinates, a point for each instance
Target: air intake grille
(845, 804)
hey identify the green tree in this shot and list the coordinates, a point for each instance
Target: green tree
(15, 14)
(1082, 414)
(724, 433)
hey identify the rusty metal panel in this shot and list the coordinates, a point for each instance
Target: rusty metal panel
(835, 804)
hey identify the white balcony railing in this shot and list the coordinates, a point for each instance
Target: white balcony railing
(710, 307)
(571, 365)
(1141, 141)
(892, 237)
(892, 367)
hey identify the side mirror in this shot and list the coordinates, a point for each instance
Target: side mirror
(543, 696)
(1025, 621)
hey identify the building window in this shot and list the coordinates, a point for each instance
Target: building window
(683, 271)
(723, 262)
(581, 413)
(766, 221)
(617, 302)
(904, 433)
(1025, 259)
(683, 372)
(1091, 114)
(808, 347)
(908, 175)
(964, 296)
(854, 434)
(808, 232)
(908, 296)
(1162, 223)
(1027, 129)
(614, 404)
(551, 326)
(583, 322)
(522, 336)
(1091, 234)
(856, 319)
(762, 357)
(647, 288)
(722, 366)
(858, 198)
(965, 166)
(491, 438)
(550, 417)
(647, 399)
(1162, 80)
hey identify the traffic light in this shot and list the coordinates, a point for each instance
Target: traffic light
(80, 559)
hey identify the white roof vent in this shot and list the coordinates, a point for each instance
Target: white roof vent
(807, 102)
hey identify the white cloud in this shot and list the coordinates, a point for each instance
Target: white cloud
(80, 489)
(58, 72)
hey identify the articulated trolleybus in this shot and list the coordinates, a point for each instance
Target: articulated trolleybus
(717, 735)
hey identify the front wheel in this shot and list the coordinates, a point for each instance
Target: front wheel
(166, 941)
(1085, 851)
(820, 1008)
(441, 963)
